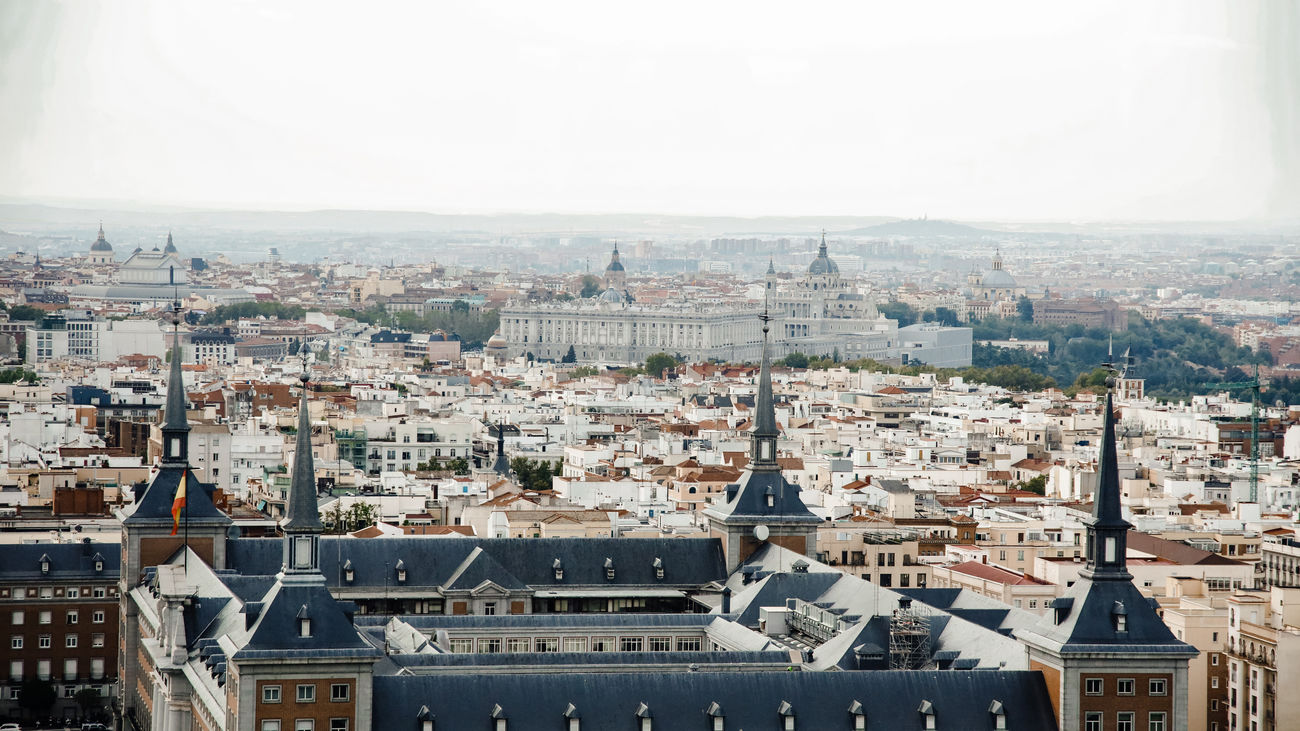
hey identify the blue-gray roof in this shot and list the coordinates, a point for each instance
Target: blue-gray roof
(748, 700)
(436, 561)
(67, 561)
(155, 505)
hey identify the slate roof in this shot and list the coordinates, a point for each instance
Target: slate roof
(749, 700)
(275, 633)
(68, 561)
(434, 561)
(154, 507)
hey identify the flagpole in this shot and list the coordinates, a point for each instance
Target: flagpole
(185, 515)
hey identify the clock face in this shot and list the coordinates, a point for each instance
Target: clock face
(761, 532)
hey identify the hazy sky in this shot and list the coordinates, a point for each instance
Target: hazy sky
(971, 110)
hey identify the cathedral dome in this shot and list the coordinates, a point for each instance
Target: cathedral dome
(823, 264)
(999, 279)
(612, 296)
(496, 342)
(101, 243)
(614, 264)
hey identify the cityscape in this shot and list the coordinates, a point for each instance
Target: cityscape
(288, 447)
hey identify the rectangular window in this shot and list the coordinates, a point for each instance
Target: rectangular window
(72, 592)
(97, 640)
(46, 618)
(72, 616)
(462, 645)
(16, 642)
(1124, 721)
(489, 645)
(1156, 721)
(307, 693)
(547, 644)
(629, 644)
(304, 724)
(271, 694)
(43, 642)
(70, 641)
(575, 644)
(338, 724)
(1092, 686)
(16, 617)
(518, 644)
(98, 592)
(1092, 721)
(661, 644)
(15, 670)
(340, 692)
(1124, 686)
(97, 617)
(1156, 686)
(602, 644)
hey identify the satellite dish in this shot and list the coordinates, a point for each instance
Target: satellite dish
(760, 532)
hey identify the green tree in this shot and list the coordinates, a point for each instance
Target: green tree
(900, 311)
(334, 518)
(460, 306)
(37, 696)
(570, 357)
(795, 360)
(1025, 308)
(583, 371)
(88, 700)
(228, 313)
(942, 315)
(459, 466)
(590, 286)
(656, 364)
(360, 515)
(1036, 485)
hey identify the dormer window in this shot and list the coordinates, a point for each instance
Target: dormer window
(574, 718)
(99, 566)
(859, 715)
(499, 718)
(647, 720)
(659, 567)
(717, 719)
(558, 567)
(609, 569)
(348, 572)
(786, 712)
(304, 627)
(927, 715)
(45, 564)
(771, 500)
(1120, 615)
(401, 571)
(999, 715)
(425, 717)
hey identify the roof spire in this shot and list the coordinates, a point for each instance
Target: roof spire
(765, 430)
(301, 513)
(1107, 529)
(175, 427)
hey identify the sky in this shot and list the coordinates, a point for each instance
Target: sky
(1179, 110)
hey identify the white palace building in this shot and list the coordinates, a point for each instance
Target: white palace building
(820, 314)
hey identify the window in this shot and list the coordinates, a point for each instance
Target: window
(1092, 721)
(16, 617)
(1156, 686)
(1124, 686)
(489, 644)
(72, 616)
(338, 724)
(304, 724)
(43, 642)
(97, 617)
(518, 644)
(70, 641)
(1092, 686)
(1214, 682)
(489, 608)
(307, 693)
(602, 644)
(548, 644)
(46, 618)
(661, 644)
(1156, 721)
(270, 694)
(16, 642)
(462, 645)
(340, 692)
(98, 592)
(1214, 658)
(1033, 603)
(689, 644)
(97, 640)
(1124, 721)
(629, 644)
(72, 592)
(575, 644)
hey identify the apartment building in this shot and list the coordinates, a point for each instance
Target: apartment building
(1263, 659)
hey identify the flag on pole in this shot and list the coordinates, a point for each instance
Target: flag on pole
(178, 504)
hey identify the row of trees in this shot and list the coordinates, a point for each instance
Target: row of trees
(230, 313)
(473, 328)
(339, 521)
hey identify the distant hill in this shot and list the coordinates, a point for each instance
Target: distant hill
(921, 227)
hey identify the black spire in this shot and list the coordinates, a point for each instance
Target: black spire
(301, 525)
(763, 456)
(1107, 529)
(502, 465)
(175, 427)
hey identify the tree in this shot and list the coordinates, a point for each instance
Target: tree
(360, 515)
(570, 357)
(656, 364)
(900, 311)
(294, 346)
(583, 371)
(37, 696)
(944, 316)
(1037, 485)
(1025, 308)
(590, 286)
(459, 466)
(89, 700)
(795, 360)
(26, 312)
(334, 518)
(460, 306)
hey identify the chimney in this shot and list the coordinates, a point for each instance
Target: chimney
(726, 600)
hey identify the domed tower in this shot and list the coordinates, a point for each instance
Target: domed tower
(615, 276)
(495, 346)
(170, 248)
(997, 283)
(101, 252)
(770, 277)
(823, 272)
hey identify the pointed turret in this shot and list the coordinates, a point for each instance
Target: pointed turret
(175, 427)
(501, 465)
(170, 248)
(1107, 529)
(765, 434)
(301, 524)
(771, 267)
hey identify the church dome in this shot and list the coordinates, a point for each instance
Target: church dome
(612, 296)
(171, 247)
(998, 279)
(496, 342)
(614, 264)
(101, 243)
(823, 264)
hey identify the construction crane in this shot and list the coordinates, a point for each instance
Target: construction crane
(1253, 384)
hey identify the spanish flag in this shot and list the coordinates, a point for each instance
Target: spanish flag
(178, 504)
